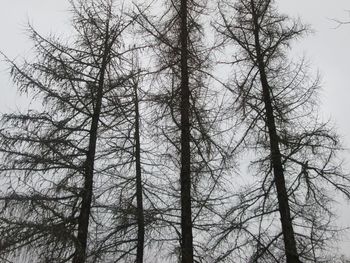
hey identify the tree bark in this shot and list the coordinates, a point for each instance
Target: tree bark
(86, 194)
(139, 201)
(185, 174)
(276, 158)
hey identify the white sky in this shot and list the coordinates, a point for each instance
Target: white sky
(328, 49)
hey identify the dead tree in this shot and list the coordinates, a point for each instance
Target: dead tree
(276, 100)
(186, 121)
(59, 152)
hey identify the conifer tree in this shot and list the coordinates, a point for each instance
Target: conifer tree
(296, 152)
(61, 160)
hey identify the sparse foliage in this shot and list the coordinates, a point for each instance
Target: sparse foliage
(130, 149)
(296, 153)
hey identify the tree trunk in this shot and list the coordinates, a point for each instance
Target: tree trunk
(282, 196)
(140, 213)
(86, 194)
(185, 174)
(276, 158)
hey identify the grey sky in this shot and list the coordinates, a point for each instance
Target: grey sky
(328, 50)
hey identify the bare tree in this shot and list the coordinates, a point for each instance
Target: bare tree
(186, 117)
(297, 153)
(129, 144)
(58, 163)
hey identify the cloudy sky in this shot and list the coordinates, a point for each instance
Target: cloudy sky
(328, 50)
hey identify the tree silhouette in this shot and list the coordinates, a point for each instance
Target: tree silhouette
(296, 152)
(63, 153)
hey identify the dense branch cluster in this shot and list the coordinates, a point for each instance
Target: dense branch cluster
(139, 128)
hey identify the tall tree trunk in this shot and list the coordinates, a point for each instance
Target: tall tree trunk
(282, 195)
(140, 213)
(86, 194)
(276, 158)
(185, 174)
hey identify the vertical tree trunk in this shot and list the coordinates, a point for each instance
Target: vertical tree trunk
(185, 174)
(86, 194)
(276, 158)
(140, 213)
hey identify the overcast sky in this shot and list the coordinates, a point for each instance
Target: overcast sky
(328, 50)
